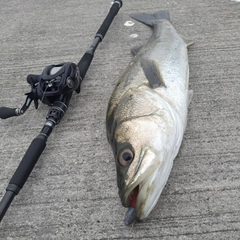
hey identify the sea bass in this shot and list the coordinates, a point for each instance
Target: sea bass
(147, 115)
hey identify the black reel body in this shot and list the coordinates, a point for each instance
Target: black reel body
(57, 80)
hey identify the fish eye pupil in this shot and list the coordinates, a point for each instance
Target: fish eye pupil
(127, 156)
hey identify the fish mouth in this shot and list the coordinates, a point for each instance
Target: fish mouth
(138, 195)
(131, 214)
(132, 197)
(141, 192)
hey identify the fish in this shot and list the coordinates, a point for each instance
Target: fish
(147, 115)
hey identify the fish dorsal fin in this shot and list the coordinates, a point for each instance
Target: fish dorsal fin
(136, 49)
(152, 73)
(187, 41)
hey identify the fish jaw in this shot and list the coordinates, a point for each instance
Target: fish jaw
(151, 190)
(145, 172)
(149, 182)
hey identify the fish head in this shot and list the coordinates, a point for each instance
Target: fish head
(141, 152)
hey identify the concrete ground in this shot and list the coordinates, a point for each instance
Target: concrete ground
(72, 191)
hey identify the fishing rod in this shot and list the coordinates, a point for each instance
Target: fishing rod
(54, 87)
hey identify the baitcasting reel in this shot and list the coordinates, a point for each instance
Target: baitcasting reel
(55, 80)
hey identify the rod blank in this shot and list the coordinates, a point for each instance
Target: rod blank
(5, 203)
(86, 60)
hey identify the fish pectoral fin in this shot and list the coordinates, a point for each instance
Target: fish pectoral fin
(152, 73)
(136, 49)
(188, 42)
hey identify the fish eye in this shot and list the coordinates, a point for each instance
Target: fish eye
(125, 157)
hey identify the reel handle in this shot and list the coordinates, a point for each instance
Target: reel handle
(6, 112)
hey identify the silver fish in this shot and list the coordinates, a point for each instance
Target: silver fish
(147, 115)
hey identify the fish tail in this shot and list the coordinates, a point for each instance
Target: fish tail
(150, 19)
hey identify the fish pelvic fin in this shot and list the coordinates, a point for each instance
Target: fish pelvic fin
(150, 19)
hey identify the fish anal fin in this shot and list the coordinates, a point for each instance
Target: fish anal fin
(152, 73)
(136, 49)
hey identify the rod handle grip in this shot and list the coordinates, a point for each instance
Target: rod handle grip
(28, 162)
(6, 112)
(83, 66)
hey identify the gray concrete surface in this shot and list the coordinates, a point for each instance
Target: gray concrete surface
(72, 192)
